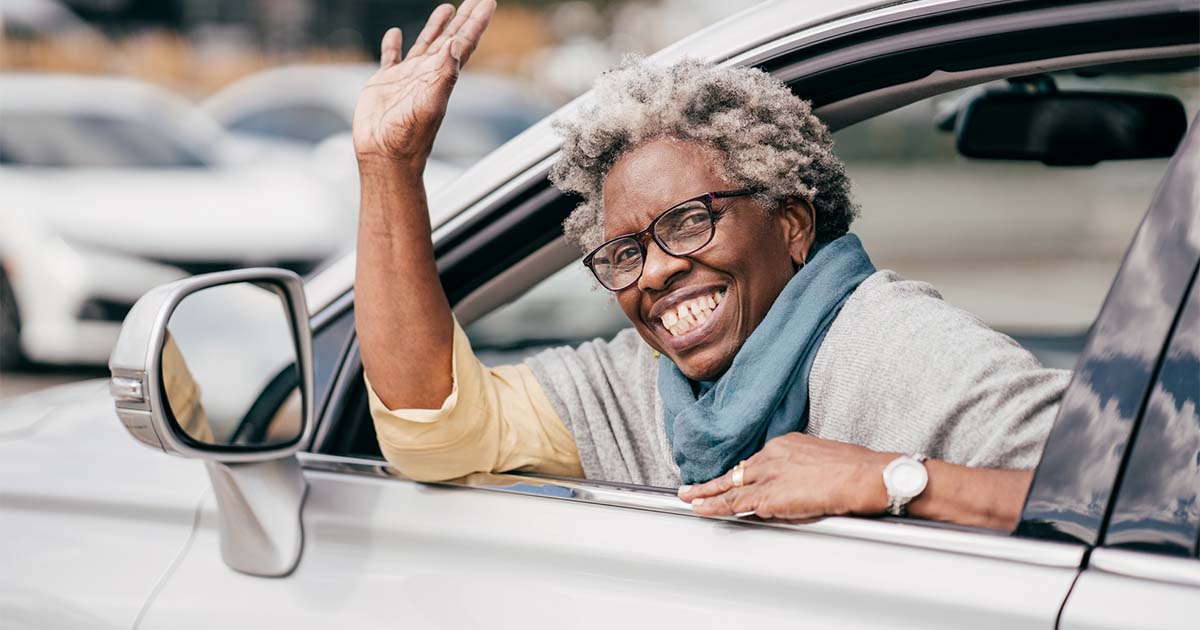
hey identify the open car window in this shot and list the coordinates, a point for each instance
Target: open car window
(568, 308)
(1028, 248)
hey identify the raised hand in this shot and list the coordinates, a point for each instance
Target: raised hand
(402, 106)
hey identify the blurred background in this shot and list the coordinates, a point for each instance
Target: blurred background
(145, 140)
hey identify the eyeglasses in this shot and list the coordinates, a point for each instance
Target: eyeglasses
(683, 229)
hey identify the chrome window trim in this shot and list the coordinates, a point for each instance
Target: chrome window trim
(953, 540)
(1147, 566)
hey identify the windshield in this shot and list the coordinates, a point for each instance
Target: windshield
(89, 141)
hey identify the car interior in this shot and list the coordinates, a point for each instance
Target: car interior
(1006, 235)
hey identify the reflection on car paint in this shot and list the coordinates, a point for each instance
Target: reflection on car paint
(1158, 504)
(1072, 488)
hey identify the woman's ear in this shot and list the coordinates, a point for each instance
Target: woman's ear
(798, 220)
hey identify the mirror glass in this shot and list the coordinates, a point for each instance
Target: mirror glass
(229, 368)
(1071, 128)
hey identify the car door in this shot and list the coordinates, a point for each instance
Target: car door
(1146, 572)
(529, 551)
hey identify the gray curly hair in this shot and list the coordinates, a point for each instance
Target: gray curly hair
(768, 137)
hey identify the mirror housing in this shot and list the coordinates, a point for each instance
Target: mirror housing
(259, 490)
(137, 385)
(1068, 128)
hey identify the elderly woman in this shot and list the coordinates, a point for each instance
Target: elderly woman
(770, 366)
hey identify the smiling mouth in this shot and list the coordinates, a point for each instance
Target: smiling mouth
(691, 314)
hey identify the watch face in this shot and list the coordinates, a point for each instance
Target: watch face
(907, 478)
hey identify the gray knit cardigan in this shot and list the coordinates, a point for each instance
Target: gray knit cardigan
(900, 370)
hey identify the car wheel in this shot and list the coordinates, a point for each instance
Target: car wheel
(10, 326)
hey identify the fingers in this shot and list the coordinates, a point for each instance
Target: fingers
(724, 483)
(752, 471)
(390, 47)
(735, 501)
(717, 486)
(472, 31)
(434, 28)
(468, 25)
(460, 18)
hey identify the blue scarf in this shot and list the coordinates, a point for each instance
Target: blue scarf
(764, 393)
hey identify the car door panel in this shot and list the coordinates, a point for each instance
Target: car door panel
(1126, 589)
(380, 550)
(90, 520)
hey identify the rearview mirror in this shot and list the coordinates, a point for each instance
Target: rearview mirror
(1069, 128)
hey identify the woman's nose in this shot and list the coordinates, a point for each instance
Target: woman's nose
(660, 268)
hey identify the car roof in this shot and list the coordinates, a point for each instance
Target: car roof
(62, 92)
(335, 85)
(119, 97)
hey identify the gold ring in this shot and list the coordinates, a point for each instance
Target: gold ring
(739, 475)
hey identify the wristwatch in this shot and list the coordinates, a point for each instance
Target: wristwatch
(905, 479)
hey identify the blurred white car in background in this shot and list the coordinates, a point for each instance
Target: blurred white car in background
(112, 186)
(310, 107)
(302, 105)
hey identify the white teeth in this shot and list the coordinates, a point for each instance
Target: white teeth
(691, 314)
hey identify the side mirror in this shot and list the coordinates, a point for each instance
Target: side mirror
(1069, 128)
(218, 367)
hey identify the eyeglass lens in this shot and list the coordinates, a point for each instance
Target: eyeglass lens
(682, 230)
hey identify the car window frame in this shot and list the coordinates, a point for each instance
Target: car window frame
(514, 208)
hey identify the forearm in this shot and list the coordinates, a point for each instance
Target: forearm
(980, 497)
(403, 319)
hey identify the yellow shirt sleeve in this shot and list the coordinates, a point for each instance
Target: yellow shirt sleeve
(494, 420)
(183, 394)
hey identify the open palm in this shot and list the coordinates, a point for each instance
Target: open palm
(402, 105)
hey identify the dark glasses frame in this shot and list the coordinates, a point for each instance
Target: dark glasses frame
(639, 237)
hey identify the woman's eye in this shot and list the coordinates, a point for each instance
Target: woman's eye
(694, 218)
(625, 255)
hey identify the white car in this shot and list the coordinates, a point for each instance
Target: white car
(112, 186)
(305, 104)
(287, 516)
